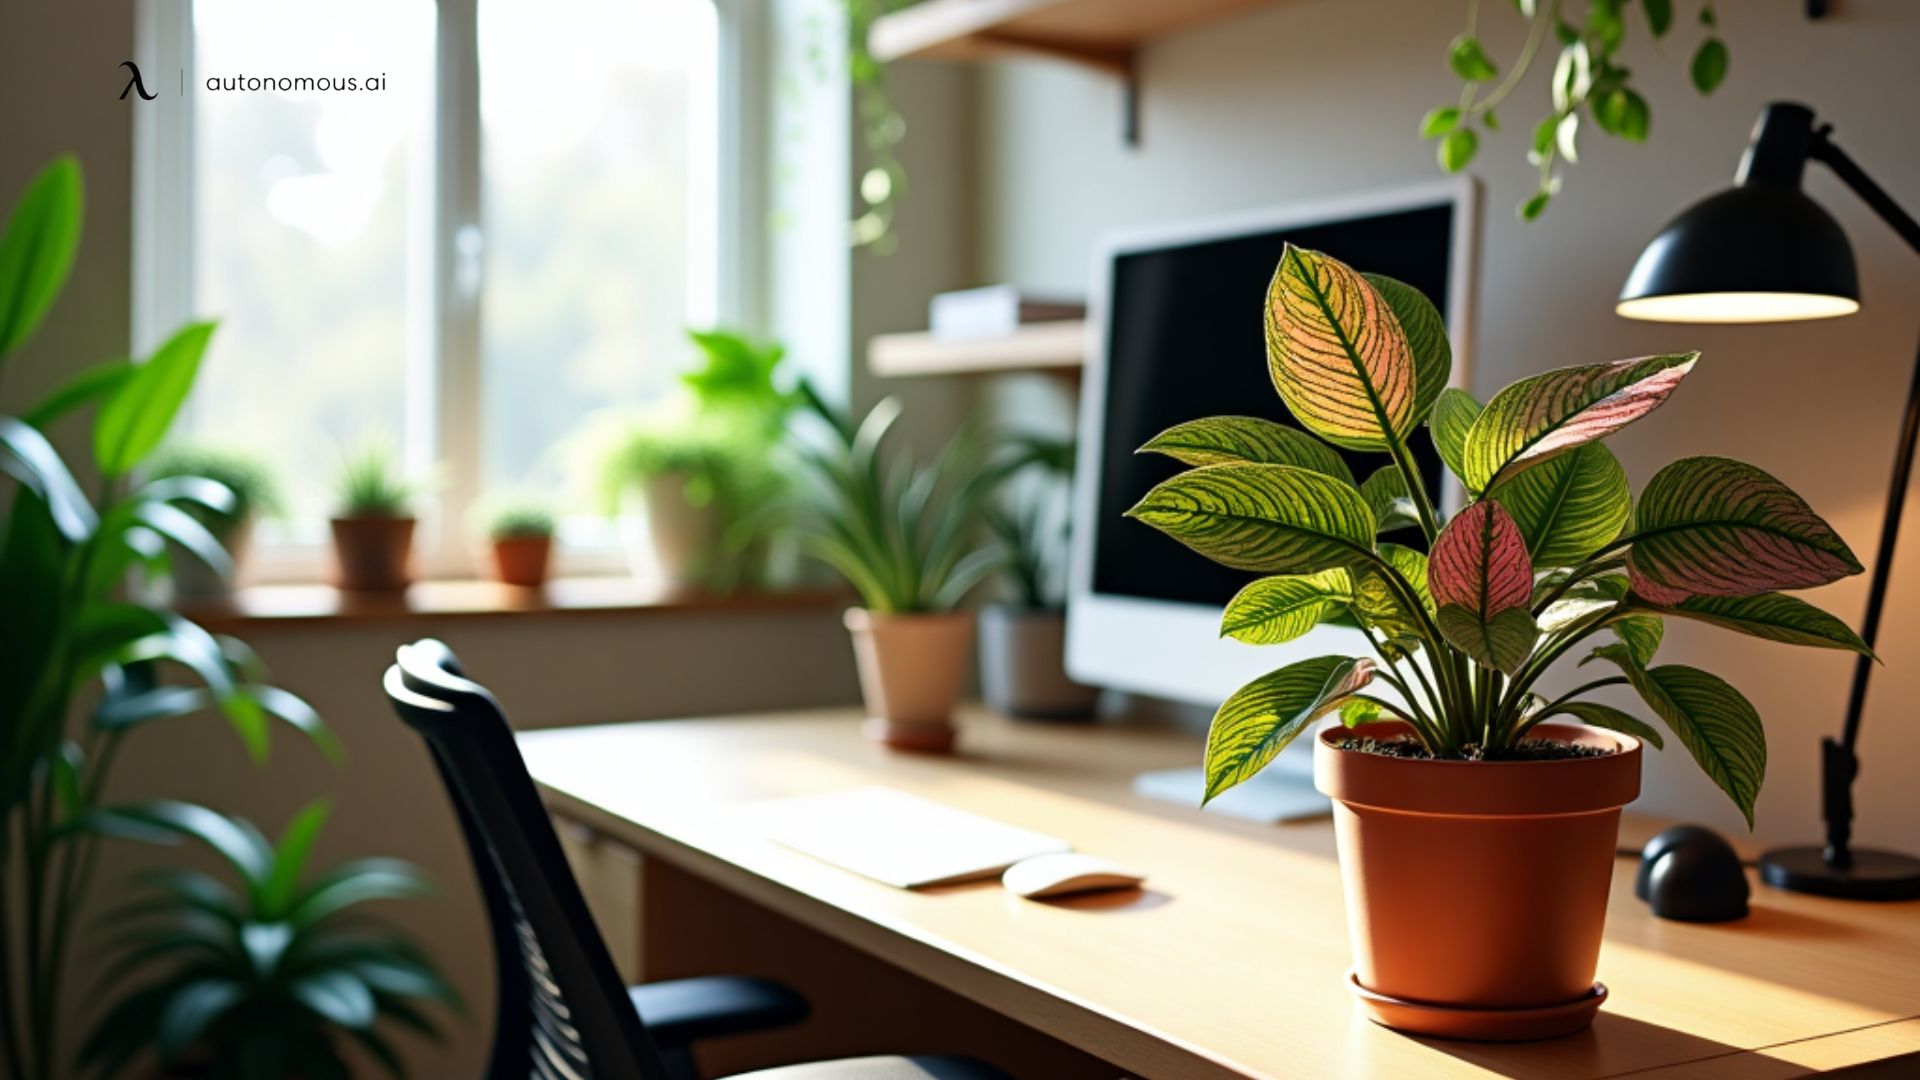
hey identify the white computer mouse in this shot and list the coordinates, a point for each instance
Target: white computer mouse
(1067, 872)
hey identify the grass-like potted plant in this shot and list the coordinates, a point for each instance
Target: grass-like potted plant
(255, 495)
(274, 978)
(1476, 835)
(1023, 670)
(520, 540)
(373, 525)
(680, 487)
(901, 535)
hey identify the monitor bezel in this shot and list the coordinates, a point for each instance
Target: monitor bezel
(1171, 649)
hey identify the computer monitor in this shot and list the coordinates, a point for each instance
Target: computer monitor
(1177, 335)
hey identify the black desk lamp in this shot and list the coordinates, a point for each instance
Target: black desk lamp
(1765, 252)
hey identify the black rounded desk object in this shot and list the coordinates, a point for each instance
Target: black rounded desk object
(1691, 874)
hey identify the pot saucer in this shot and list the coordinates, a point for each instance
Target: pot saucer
(1478, 1025)
(919, 738)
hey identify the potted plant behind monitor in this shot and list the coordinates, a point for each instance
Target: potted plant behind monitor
(519, 541)
(901, 536)
(1023, 670)
(1477, 836)
(255, 495)
(373, 525)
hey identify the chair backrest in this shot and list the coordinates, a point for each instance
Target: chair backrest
(563, 1012)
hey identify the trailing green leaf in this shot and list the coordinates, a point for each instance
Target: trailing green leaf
(1227, 440)
(1716, 724)
(1262, 717)
(1274, 519)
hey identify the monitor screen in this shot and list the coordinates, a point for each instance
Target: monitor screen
(1185, 340)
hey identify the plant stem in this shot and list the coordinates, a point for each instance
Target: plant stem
(9, 1023)
(1544, 658)
(1416, 488)
(1591, 569)
(1548, 709)
(1543, 18)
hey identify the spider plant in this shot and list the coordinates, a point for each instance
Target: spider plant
(1027, 524)
(371, 484)
(1550, 550)
(269, 979)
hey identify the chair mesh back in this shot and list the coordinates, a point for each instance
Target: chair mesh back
(563, 1013)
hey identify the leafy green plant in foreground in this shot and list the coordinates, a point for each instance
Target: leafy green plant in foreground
(1550, 551)
(267, 980)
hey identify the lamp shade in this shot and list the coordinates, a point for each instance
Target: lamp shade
(1759, 252)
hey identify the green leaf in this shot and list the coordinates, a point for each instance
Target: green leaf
(1262, 717)
(1357, 711)
(1225, 440)
(1278, 609)
(1483, 583)
(192, 537)
(1377, 604)
(1709, 68)
(191, 1010)
(1594, 714)
(1641, 634)
(234, 839)
(27, 456)
(1773, 616)
(1716, 527)
(1387, 496)
(277, 892)
(37, 251)
(1717, 725)
(1659, 16)
(1457, 149)
(102, 630)
(1337, 353)
(95, 382)
(160, 703)
(1566, 136)
(1453, 414)
(1469, 60)
(1543, 137)
(1624, 113)
(1273, 519)
(1572, 78)
(1536, 418)
(1535, 205)
(1439, 121)
(295, 713)
(355, 882)
(136, 417)
(1426, 334)
(1568, 507)
(1605, 23)
(338, 997)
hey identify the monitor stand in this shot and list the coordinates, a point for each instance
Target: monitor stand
(1284, 791)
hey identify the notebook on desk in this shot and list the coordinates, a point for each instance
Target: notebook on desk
(900, 839)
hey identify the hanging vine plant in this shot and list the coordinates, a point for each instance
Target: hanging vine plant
(881, 129)
(1588, 81)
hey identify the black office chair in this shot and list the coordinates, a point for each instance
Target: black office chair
(562, 1012)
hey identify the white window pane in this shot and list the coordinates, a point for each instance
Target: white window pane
(599, 158)
(308, 216)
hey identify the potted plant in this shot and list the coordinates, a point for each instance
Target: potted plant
(69, 637)
(680, 486)
(1023, 670)
(270, 979)
(255, 495)
(1476, 834)
(899, 534)
(373, 527)
(520, 535)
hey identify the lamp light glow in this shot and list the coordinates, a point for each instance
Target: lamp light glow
(1736, 307)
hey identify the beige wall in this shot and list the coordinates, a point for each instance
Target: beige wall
(1312, 98)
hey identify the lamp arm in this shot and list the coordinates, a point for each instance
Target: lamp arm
(1823, 149)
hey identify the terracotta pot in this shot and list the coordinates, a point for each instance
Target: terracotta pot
(373, 554)
(195, 580)
(1477, 891)
(666, 536)
(1023, 665)
(522, 560)
(911, 671)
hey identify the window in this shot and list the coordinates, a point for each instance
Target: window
(331, 211)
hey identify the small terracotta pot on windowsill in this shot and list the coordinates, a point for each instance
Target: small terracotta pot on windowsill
(912, 667)
(522, 560)
(1477, 890)
(373, 554)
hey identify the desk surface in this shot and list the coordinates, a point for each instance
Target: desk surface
(1230, 964)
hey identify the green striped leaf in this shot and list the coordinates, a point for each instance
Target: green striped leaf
(1716, 724)
(1387, 496)
(1274, 610)
(1712, 526)
(1262, 717)
(1594, 714)
(1426, 335)
(1357, 711)
(1483, 583)
(1641, 634)
(1537, 418)
(1378, 605)
(1337, 354)
(1568, 507)
(1225, 440)
(1272, 519)
(1453, 415)
(1775, 617)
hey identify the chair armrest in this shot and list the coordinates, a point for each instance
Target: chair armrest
(679, 1012)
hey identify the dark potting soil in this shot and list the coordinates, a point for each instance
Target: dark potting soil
(1530, 750)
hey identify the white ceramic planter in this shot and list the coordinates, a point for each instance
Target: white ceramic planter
(1023, 665)
(666, 537)
(911, 670)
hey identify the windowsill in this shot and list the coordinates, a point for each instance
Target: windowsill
(308, 605)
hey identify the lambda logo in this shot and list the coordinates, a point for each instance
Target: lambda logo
(134, 85)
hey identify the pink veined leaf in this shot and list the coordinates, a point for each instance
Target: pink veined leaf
(1337, 353)
(1653, 590)
(1479, 562)
(1548, 414)
(1711, 526)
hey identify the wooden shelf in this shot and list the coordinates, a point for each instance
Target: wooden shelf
(1103, 33)
(1047, 346)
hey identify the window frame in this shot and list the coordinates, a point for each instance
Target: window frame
(447, 284)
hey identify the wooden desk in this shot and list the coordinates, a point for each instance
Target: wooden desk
(1230, 964)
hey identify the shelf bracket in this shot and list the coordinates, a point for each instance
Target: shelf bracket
(1117, 62)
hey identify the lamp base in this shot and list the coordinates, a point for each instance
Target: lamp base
(1872, 875)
